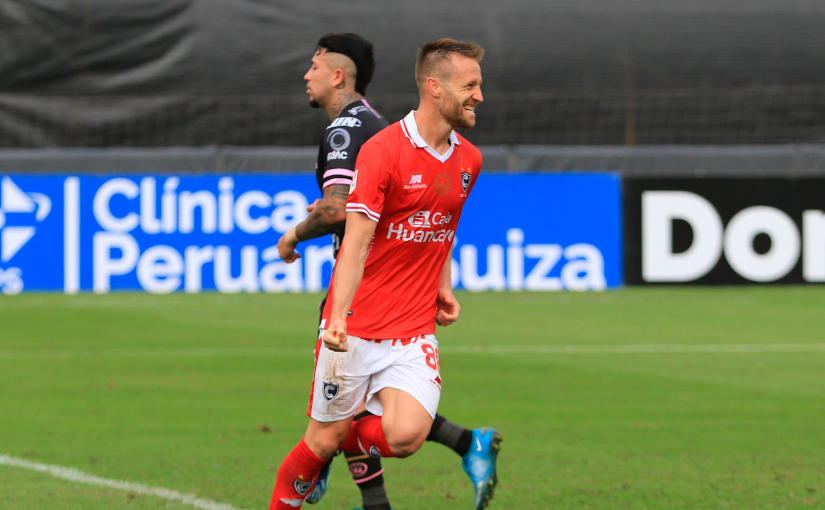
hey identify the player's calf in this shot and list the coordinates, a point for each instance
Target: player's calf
(296, 477)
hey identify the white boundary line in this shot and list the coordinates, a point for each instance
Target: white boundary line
(74, 475)
(447, 349)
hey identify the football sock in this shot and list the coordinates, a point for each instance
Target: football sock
(295, 478)
(451, 435)
(366, 436)
(367, 472)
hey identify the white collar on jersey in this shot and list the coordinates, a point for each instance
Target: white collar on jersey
(410, 129)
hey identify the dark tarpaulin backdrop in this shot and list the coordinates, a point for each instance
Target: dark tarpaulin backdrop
(228, 72)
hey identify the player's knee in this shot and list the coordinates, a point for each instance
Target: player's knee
(323, 446)
(406, 441)
(325, 442)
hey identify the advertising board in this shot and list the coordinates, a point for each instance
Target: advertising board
(166, 233)
(724, 231)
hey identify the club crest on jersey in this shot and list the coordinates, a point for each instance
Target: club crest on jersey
(330, 391)
(442, 184)
(354, 180)
(374, 452)
(465, 180)
(302, 486)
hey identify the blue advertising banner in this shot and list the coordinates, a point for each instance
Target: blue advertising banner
(165, 234)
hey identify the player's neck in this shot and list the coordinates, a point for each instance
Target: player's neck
(340, 100)
(433, 128)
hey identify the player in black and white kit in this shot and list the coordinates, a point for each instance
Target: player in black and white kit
(337, 80)
(356, 124)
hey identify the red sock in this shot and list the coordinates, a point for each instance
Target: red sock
(295, 478)
(367, 436)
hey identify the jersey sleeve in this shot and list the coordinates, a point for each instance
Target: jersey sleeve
(371, 182)
(339, 150)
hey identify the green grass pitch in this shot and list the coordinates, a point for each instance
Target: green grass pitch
(581, 431)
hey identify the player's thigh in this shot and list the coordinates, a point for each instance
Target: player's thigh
(340, 383)
(406, 422)
(415, 371)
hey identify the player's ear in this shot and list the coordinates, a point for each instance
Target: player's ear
(434, 87)
(339, 78)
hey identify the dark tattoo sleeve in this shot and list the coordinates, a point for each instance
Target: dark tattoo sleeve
(340, 191)
(327, 216)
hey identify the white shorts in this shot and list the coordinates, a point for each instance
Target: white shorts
(343, 379)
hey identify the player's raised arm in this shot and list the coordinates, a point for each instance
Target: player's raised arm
(325, 217)
(348, 273)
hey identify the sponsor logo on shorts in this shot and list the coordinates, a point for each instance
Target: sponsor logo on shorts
(330, 391)
(358, 469)
(374, 452)
(302, 486)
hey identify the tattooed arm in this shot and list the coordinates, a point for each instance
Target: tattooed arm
(325, 216)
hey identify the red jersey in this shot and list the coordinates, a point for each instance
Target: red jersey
(416, 196)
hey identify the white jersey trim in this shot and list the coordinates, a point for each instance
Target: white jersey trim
(364, 209)
(410, 128)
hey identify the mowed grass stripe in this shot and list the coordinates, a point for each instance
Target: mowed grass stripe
(454, 349)
(670, 431)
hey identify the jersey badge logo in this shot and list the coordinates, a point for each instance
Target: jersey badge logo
(442, 184)
(330, 391)
(465, 180)
(357, 110)
(354, 180)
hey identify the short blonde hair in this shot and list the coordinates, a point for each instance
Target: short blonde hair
(434, 54)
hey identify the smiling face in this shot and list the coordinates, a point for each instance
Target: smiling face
(462, 92)
(319, 80)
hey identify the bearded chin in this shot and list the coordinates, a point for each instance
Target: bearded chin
(453, 112)
(313, 103)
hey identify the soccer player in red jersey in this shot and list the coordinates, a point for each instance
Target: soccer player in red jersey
(392, 283)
